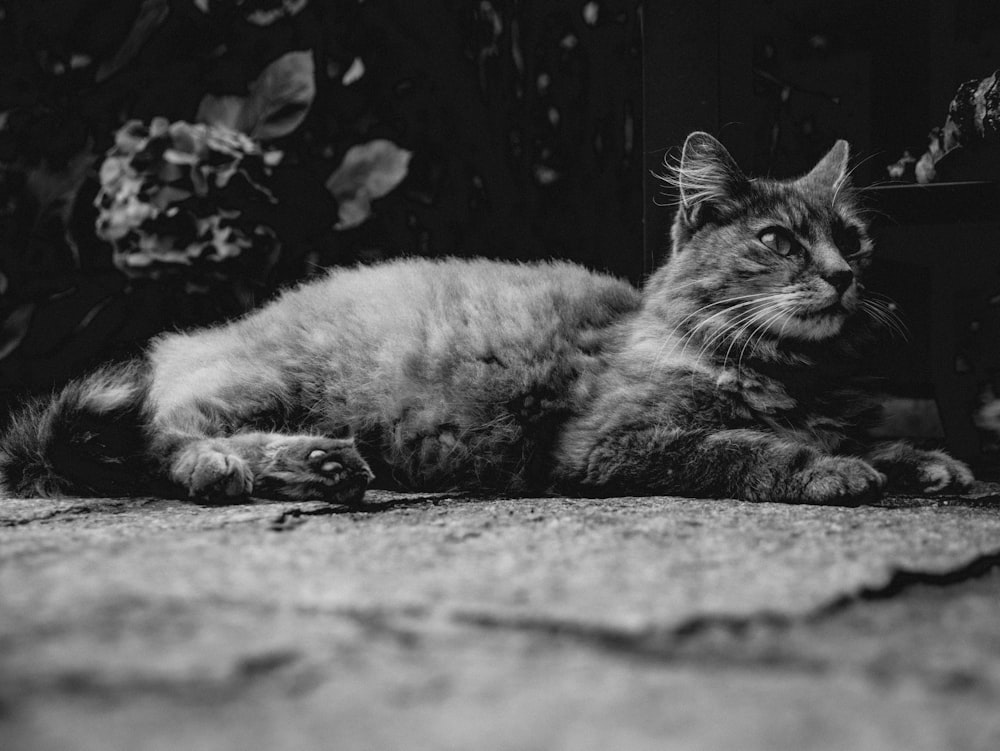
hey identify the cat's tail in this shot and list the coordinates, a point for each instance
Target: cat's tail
(88, 439)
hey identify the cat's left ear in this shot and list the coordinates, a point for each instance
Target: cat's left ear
(830, 173)
(707, 178)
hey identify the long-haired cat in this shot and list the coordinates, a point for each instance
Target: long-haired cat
(731, 374)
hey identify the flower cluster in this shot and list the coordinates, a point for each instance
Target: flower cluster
(257, 12)
(973, 120)
(178, 198)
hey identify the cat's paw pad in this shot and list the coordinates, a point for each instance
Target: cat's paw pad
(325, 463)
(936, 472)
(210, 474)
(840, 480)
(302, 468)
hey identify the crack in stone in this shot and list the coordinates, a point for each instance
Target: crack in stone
(666, 644)
(741, 640)
(49, 516)
(295, 517)
(283, 665)
(901, 580)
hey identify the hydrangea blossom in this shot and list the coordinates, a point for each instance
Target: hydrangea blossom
(258, 12)
(187, 199)
(973, 120)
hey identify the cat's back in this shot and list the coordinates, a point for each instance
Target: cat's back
(475, 303)
(458, 329)
(387, 315)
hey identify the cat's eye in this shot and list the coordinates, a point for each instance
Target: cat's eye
(779, 241)
(848, 239)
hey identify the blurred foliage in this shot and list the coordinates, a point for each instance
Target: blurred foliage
(168, 163)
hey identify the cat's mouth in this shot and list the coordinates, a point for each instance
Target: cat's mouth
(835, 309)
(817, 323)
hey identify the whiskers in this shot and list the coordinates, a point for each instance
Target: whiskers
(742, 321)
(733, 330)
(882, 312)
(844, 184)
(785, 310)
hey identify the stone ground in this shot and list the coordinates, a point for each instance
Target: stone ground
(439, 622)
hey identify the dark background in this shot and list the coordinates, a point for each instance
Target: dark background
(780, 80)
(533, 126)
(523, 119)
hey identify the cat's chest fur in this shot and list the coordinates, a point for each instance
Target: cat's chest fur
(800, 406)
(666, 385)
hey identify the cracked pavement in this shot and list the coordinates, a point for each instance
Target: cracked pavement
(440, 622)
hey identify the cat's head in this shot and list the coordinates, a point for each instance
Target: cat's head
(772, 259)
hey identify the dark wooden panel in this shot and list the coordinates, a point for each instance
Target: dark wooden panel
(680, 94)
(935, 203)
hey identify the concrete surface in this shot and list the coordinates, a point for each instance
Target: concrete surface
(436, 622)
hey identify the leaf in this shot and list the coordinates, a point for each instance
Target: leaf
(280, 97)
(268, 17)
(55, 190)
(260, 17)
(278, 102)
(354, 73)
(369, 171)
(151, 15)
(226, 111)
(15, 328)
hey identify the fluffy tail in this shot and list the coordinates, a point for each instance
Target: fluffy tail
(87, 439)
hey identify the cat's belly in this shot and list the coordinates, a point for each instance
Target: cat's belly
(471, 419)
(451, 374)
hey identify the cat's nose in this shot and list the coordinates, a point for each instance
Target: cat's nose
(840, 279)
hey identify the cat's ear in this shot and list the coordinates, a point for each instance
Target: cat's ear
(707, 178)
(830, 173)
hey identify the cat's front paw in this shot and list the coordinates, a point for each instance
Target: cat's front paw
(299, 468)
(930, 472)
(939, 473)
(914, 470)
(838, 480)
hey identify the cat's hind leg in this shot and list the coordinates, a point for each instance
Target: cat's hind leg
(210, 393)
(271, 465)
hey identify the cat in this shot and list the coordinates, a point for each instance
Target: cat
(735, 373)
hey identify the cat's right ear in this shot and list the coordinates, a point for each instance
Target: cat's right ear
(707, 179)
